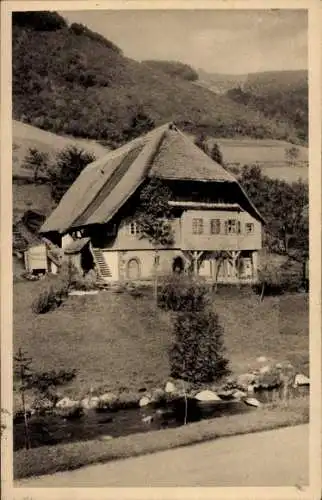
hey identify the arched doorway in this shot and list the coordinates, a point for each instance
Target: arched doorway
(133, 271)
(178, 265)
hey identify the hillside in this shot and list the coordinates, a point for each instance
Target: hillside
(25, 136)
(71, 81)
(276, 81)
(220, 83)
(281, 95)
(27, 194)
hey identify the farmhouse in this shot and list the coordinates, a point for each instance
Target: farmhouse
(217, 230)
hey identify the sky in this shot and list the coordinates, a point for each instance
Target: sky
(217, 41)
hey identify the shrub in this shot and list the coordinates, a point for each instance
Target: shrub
(182, 292)
(45, 302)
(85, 283)
(50, 298)
(69, 163)
(68, 273)
(276, 279)
(197, 353)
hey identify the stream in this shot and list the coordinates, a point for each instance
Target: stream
(52, 429)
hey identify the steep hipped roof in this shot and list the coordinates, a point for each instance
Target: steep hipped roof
(106, 184)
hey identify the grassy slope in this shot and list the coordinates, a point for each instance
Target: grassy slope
(119, 341)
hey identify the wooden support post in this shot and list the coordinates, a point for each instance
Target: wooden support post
(196, 256)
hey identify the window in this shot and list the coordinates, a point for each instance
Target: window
(215, 226)
(232, 226)
(249, 227)
(134, 229)
(197, 226)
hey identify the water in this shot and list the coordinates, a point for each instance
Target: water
(50, 430)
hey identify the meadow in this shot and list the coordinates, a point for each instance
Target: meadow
(118, 341)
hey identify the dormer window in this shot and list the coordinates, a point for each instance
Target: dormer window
(134, 229)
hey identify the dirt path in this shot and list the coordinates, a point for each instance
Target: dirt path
(271, 458)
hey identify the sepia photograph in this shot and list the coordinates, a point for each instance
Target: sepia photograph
(160, 248)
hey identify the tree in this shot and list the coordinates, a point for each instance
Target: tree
(37, 161)
(268, 277)
(22, 372)
(45, 383)
(140, 124)
(39, 21)
(153, 217)
(292, 154)
(197, 354)
(69, 164)
(216, 154)
(281, 204)
(201, 143)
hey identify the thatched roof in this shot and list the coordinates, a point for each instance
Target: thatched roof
(105, 185)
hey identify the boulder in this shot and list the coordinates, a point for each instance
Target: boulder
(148, 419)
(207, 396)
(264, 369)
(226, 394)
(89, 403)
(144, 401)
(157, 395)
(106, 438)
(107, 397)
(252, 402)
(237, 394)
(261, 359)
(301, 379)
(170, 387)
(67, 403)
(246, 379)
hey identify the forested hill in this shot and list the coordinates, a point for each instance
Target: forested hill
(281, 95)
(70, 80)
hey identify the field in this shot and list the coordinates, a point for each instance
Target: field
(269, 154)
(116, 340)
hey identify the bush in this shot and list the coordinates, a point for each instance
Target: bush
(49, 299)
(69, 163)
(197, 354)
(85, 283)
(276, 279)
(182, 292)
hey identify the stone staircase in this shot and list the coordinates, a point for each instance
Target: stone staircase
(103, 270)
